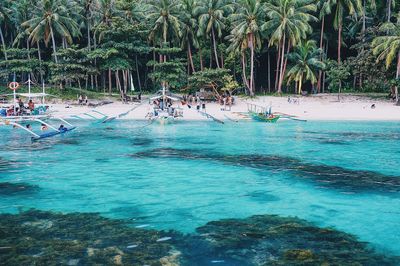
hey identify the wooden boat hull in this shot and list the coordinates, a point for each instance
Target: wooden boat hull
(163, 120)
(264, 118)
(51, 134)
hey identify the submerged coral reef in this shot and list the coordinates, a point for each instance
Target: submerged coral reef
(8, 189)
(274, 240)
(324, 175)
(46, 238)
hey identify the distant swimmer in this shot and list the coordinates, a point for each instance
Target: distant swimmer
(62, 128)
(43, 127)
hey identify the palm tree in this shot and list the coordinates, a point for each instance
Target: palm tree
(247, 22)
(390, 4)
(238, 46)
(189, 28)
(288, 25)
(4, 13)
(103, 13)
(51, 17)
(325, 9)
(353, 7)
(212, 16)
(164, 18)
(306, 60)
(88, 10)
(388, 47)
(372, 5)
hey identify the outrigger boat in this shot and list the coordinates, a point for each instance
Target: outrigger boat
(260, 113)
(16, 122)
(163, 113)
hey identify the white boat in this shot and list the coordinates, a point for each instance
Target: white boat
(18, 121)
(163, 114)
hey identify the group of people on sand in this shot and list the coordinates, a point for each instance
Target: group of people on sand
(160, 104)
(194, 100)
(226, 101)
(19, 109)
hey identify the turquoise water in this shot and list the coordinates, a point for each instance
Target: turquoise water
(342, 175)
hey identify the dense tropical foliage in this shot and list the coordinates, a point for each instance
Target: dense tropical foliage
(257, 45)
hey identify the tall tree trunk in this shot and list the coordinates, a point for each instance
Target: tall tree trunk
(364, 25)
(215, 46)
(190, 57)
(89, 47)
(109, 82)
(286, 61)
(397, 78)
(339, 41)
(201, 60)
(324, 74)
(40, 62)
(246, 82)
(278, 57)
(118, 84)
(4, 44)
(389, 10)
(154, 59)
(54, 44)
(251, 44)
(211, 57)
(137, 72)
(339, 56)
(300, 84)
(88, 33)
(269, 73)
(165, 41)
(281, 67)
(125, 80)
(321, 43)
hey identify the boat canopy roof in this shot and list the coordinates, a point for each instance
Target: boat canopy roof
(34, 95)
(30, 95)
(166, 96)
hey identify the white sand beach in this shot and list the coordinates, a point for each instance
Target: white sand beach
(321, 107)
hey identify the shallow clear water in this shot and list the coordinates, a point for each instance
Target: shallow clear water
(132, 171)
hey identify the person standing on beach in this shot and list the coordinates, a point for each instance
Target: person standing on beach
(224, 101)
(229, 100)
(31, 105)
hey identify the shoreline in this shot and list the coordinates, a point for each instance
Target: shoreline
(311, 108)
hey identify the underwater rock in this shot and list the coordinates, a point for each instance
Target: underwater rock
(274, 240)
(47, 238)
(41, 224)
(261, 196)
(142, 142)
(324, 175)
(334, 142)
(4, 164)
(172, 259)
(9, 189)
